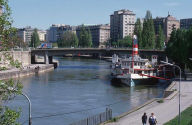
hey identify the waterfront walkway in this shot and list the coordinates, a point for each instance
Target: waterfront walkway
(163, 111)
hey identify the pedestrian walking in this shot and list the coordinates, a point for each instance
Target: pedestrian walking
(152, 119)
(144, 119)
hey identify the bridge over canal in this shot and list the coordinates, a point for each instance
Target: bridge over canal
(96, 52)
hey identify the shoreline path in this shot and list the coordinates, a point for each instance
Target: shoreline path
(163, 111)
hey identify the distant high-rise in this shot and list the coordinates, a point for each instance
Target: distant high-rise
(122, 24)
(25, 34)
(100, 34)
(42, 35)
(186, 23)
(171, 23)
(57, 30)
(159, 21)
(167, 23)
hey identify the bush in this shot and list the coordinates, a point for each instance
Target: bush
(160, 101)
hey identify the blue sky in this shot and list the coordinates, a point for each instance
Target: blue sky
(43, 13)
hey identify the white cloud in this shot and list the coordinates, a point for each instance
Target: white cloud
(172, 4)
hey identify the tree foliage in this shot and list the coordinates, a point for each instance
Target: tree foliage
(89, 41)
(68, 39)
(179, 47)
(160, 39)
(125, 42)
(6, 29)
(8, 88)
(18, 42)
(85, 38)
(148, 34)
(35, 42)
(138, 31)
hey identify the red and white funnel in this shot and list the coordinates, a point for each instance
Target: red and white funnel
(135, 45)
(135, 49)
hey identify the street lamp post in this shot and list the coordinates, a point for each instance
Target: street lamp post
(29, 107)
(179, 120)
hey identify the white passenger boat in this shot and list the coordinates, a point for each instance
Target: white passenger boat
(133, 70)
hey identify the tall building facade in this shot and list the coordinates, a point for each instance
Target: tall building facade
(25, 34)
(186, 23)
(100, 34)
(56, 31)
(42, 35)
(122, 24)
(159, 21)
(167, 23)
(171, 23)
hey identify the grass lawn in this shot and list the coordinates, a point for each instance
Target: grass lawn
(186, 118)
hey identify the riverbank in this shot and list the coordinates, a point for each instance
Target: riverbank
(164, 111)
(25, 71)
(186, 118)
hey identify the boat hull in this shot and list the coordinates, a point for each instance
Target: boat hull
(127, 81)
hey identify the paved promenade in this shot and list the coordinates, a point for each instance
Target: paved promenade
(163, 111)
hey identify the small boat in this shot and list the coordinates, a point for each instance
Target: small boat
(134, 69)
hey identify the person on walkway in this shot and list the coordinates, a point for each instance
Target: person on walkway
(144, 119)
(152, 119)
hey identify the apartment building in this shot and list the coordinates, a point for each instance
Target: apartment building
(42, 35)
(186, 23)
(122, 24)
(25, 34)
(167, 23)
(56, 31)
(100, 34)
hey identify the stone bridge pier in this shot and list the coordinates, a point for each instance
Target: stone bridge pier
(47, 59)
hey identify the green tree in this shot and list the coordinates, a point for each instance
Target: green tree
(8, 90)
(18, 42)
(189, 39)
(75, 40)
(148, 34)
(85, 38)
(7, 116)
(89, 41)
(6, 29)
(35, 42)
(160, 39)
(179, 47)
(138, 31)
(125, 42)
(68, 39)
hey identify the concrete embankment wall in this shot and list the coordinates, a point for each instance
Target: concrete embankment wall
(23, 57)
(29, 70)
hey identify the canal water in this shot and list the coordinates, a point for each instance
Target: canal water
(77, 89)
